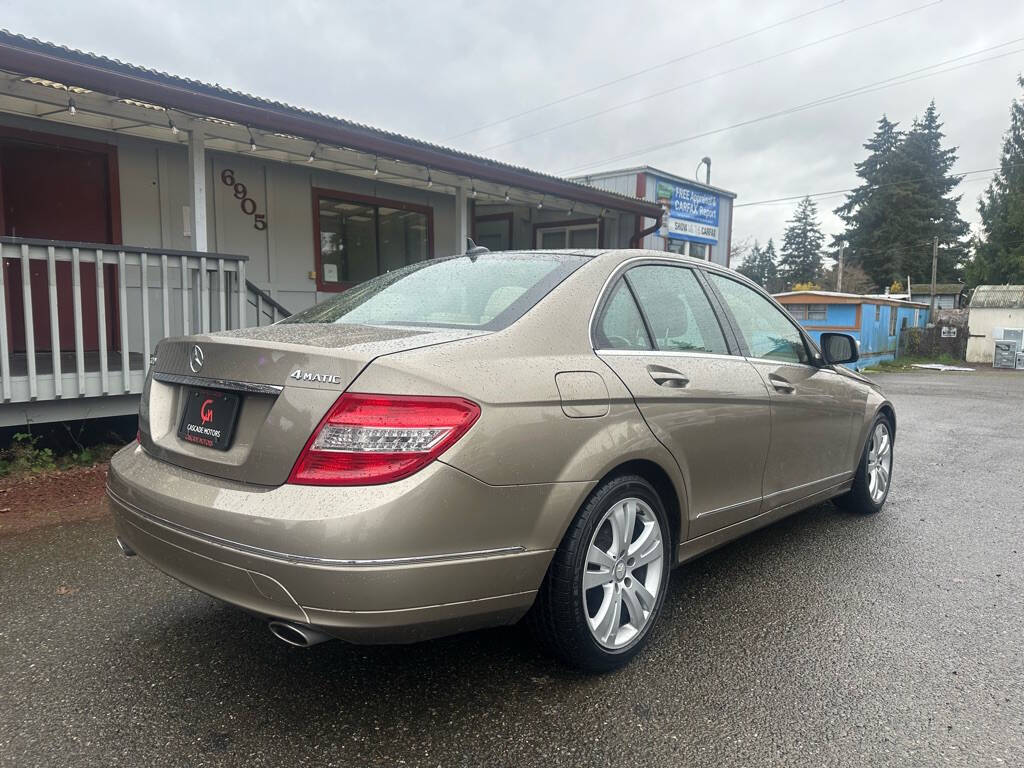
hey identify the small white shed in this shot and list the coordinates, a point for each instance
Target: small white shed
(992, 307)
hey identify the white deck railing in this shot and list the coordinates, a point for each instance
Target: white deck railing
(156, 293)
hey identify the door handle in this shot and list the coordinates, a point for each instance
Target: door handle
(780, 384)
(666, 377)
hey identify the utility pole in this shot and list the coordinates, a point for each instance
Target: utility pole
(839, 279)
(935, 266)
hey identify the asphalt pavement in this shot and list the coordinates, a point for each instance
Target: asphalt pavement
(827, 639)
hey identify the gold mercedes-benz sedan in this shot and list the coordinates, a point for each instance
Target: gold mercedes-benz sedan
(468, 441)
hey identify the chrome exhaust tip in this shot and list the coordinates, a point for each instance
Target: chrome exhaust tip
(125, 549)
(297, 634)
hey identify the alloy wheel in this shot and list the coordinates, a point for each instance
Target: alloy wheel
(622, 577)
(879, 467)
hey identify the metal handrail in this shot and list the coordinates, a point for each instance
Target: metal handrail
(39, 242)
(262, 297)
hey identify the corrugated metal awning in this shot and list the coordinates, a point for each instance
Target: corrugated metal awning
(81, 71)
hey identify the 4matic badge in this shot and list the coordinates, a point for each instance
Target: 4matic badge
(321, 378)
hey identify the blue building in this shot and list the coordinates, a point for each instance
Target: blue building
(875, 321)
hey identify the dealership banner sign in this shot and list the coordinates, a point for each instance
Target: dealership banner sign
(692, 212)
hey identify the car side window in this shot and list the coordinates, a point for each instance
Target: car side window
(621, 326)
(677, 309)
(767, 330)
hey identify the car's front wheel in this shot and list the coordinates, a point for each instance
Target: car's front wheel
(874, 473)
(606, 583)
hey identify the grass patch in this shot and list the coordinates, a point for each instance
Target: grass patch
(907, 363)
(25, 456)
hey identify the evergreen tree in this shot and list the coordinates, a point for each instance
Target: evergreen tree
(932, 210)
(999, 254)
(873, 232)
(903, 202)
(760, 267)
(801, 245)
(774, 283)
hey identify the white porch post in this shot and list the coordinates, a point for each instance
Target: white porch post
(461, 219)
(197, 185)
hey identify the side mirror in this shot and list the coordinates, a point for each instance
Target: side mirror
(839, 348)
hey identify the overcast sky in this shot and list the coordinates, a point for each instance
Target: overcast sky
(436, 69)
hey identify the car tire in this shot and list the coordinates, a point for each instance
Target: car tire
(597, 578)
(865, 497)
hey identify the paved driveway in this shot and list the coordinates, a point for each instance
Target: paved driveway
(827, 639)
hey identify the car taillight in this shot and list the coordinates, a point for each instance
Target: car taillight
(374, 439)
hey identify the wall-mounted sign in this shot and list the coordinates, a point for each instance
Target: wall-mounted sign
(692, 212)
(949, 332)
(246, 203)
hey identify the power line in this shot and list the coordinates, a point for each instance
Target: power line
(835, 192)
(637, 73)
(879, 85)
(698, 81)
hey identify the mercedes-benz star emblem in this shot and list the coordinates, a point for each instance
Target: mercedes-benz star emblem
(195, 360)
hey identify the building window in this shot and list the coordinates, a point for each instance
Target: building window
(586, 234)
(878, 312)
(493, 231)
(798, 311)
(686, 248)
(810, 312)
(361, 237)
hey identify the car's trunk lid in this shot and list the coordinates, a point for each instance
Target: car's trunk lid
(285, 377)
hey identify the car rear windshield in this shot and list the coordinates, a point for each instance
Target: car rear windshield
(484, 292)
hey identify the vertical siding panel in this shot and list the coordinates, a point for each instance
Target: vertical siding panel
(101, 321)
(165, 297)
(204, 297)
(76, 299)
(184, 296)
(30, 329)
(5, 361)
(222, 299)
(242, 293)
(122, 308)
(144, 261)
(51, 280)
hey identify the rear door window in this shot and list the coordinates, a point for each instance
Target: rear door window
(677, 309)
(769, 332)
(621, 326)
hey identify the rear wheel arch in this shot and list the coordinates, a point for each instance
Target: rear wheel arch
(662, 482)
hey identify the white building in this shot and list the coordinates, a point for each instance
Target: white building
(699, 220)
(992, 309)
(203, 209)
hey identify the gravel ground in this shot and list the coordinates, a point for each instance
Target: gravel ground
(825, 640)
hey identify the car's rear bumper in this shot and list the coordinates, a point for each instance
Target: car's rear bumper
(336, 559)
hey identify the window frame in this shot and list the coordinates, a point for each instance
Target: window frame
(814, 358)
(568, 225)
(320, 193)
(797, 311)
(508, 218)
(824, 313)
(735, 351)
(606, 301)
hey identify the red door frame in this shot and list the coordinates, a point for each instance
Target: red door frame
(337, 194)
(109, 151)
